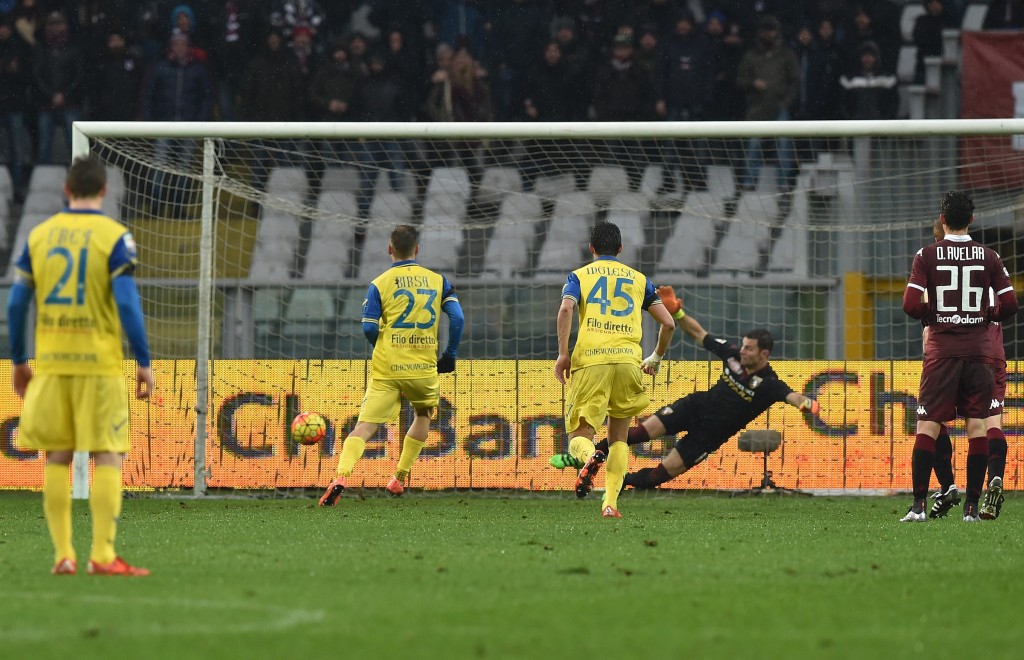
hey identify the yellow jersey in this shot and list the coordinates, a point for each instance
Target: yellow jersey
(610, 297)
(71, 260)
(405, 303)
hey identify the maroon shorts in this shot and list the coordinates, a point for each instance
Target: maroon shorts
(952, 386)
(995, 406)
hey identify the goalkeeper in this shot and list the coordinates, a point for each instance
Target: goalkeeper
(747, 387)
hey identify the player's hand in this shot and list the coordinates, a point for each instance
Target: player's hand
(563, 366)
(445, 364)
(669, 299)
(143, 382)
(810, 406)
(651, 364)
(20, 376)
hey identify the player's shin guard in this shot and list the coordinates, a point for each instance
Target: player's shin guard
(977, 462)
(615, 472)
(944, 459)
(105, 506)
(922, 462)
(996, 453)
(411, 449)
(57, 509)
(351, 452)
(581, 448)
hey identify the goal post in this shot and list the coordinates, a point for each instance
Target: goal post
(257, 241)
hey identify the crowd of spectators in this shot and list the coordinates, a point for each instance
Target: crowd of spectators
(453, 60)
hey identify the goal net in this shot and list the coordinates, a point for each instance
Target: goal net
(805, 229)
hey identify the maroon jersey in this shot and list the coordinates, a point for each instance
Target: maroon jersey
(957, 274)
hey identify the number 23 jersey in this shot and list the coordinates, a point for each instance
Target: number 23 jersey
(71, 260)
(405, 301)
(610, 297)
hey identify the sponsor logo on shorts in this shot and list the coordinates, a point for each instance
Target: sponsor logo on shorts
(996, 403)
(921, 411)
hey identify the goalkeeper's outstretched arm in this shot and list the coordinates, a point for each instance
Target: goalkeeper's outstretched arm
(675, 307)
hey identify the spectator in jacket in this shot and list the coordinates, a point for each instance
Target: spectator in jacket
(727, 45)
(58, 76)
(178, 90)
(517, 34)
(1005, 15)
(624, 92)
(928, 33)
(549, 97)
(333, 87)
(870, 93)
(15, 87)
(684, 88)
(576, 57)
(818, 95)
(118, 82)
(231, 29)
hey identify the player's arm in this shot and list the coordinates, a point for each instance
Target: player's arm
(675, 307)
(121, 264)
(915, 303)
(456, 322)
(1006, 298)
(18, 305)
(804, 403)
(571, 294)
(667, 327)
(371, 314)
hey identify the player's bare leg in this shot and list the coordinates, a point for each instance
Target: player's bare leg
(412, 445)
(351, 451)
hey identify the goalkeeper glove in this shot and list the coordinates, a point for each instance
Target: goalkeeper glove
(810, 406)
(445, 364)
(651, 364)
(673, 304)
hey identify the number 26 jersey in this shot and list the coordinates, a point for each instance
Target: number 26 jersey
(405, 301)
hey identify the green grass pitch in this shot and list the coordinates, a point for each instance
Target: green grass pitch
(486, 576)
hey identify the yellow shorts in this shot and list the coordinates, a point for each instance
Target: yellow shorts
(83, 413)
(604, 390)
(383, 399)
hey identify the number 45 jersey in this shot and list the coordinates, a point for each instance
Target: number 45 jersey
(958, 273)
(71, 260)
(405, 301)
(611, 298)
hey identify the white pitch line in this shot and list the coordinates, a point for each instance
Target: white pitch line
(277, 619)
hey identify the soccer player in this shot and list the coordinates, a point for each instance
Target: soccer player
(78, 266)
(606, 362)
(948, 495)
(957, 375)
(747, 387)
(400, 320)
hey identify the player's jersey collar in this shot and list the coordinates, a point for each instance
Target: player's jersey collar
(404, 262)
(606, 257)
(68, 209)
(959, 238)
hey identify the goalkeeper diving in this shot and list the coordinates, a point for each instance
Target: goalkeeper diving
(747, 387)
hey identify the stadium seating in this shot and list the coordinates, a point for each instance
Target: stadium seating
(568, 234)
(497, 183)
(509, 248)
(375, 259)
(629, 212)
(693, 231)
(911, 11)
(550, 187)
(447, 192)
(605, 182)
(974, 17)
(45, 197)
(440, 239)
(115, 191)
(331, 242)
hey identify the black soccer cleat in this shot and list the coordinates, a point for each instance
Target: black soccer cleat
(333, 492)
(993, 503)
(944, 501)
(585, 480)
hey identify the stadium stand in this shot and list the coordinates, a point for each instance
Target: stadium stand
(563, 249)
(974, 17)
(908, 17)
(447, 192)
(605, 182)
(508, 251)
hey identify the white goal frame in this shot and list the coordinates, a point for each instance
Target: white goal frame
(83, 132)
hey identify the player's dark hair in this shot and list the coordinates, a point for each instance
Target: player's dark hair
(403, 241)
(606, 239)
(86, 177)
(958, 207)
(764, 339)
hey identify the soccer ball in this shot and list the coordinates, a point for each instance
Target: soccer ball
(308, 428)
